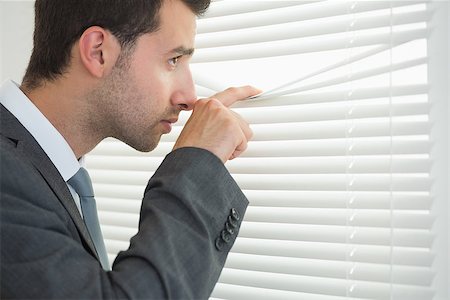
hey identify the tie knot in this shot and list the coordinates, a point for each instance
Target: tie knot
(82, 184)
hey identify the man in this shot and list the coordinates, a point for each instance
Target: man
(111, 68)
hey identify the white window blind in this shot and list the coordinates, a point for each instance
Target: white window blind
(338, 173)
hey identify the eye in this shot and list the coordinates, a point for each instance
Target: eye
(173, 61)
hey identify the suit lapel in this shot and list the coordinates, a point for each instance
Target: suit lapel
(28, 147)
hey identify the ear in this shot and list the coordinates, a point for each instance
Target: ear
(99, 50)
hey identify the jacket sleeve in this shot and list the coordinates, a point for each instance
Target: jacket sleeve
(190, 216)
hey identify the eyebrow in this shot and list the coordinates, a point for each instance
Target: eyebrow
(183, 51)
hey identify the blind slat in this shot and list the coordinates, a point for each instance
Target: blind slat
(329, 129)
(297, 165)
(115, 204)
(316, 285)
(117, 234)
(335, 96)
(341, 199)
(114, 246)
(225, 8)
(238, 292)
(339, 252)
(330, 165)
(338, 234)
(338, 111)
(297, 46)
(130, 192)
(286, 148)
(118, 219)
(419, 276)
(292, 14)
(307, 148)
(335, 182)
(343, 217)
(356, 128)
(303, 29)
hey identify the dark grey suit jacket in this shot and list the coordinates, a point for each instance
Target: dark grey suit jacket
(190, 216)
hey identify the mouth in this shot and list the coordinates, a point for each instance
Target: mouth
(167, 124)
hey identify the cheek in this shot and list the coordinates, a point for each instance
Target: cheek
(153, 83)
(158, 90)
(148, 103)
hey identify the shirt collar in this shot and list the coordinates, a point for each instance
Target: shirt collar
(47, 136)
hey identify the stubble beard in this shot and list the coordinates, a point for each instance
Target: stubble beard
(118, 115)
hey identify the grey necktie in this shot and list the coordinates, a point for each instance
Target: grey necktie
(82, 184)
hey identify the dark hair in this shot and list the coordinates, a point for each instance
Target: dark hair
(60, 23)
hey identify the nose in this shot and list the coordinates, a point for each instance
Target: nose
(184, 95)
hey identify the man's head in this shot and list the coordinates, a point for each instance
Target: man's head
(59, 24)
(121, 64)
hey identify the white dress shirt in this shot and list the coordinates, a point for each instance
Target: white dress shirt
(47, 136)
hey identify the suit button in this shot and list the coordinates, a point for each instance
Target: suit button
(232, 222)
(235, 215)
(226, 237)
(219, 244)
(229, 228)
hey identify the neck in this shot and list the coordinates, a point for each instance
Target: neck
(64, 107)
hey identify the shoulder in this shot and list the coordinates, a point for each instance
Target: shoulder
(11, 160)
(18, 177)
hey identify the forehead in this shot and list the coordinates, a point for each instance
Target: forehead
(177, 25)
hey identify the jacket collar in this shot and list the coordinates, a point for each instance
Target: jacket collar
(27, 146)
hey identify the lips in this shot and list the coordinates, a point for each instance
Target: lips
(167, 124)
(171, 120)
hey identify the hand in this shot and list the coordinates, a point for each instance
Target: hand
(214, 127)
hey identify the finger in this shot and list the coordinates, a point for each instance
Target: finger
(240, 148)
(244, 125)
(246, 135)
(233, 94)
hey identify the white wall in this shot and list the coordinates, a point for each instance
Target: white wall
(16, 38)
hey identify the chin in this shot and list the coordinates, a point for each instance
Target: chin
(141, 144)
(147, 145)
